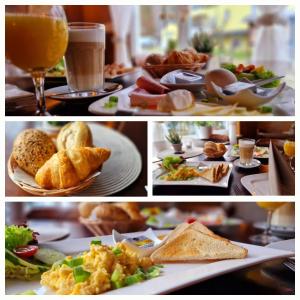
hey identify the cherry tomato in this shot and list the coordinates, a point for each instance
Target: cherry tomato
(239, 68)
(191, 220)
(249, 68)
(26, 251)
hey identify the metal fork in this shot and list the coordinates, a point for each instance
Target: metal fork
(290, 263)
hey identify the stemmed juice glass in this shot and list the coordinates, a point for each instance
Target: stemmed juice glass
(267, 237)
(36, 38)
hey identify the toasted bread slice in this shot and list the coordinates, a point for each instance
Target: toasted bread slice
(192, 245)
(184, 226)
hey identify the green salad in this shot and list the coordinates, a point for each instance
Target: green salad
(24, 259)
(251, 72)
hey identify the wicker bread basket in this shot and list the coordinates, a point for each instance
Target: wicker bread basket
(158, 71)
(12, 166)
(104, 227)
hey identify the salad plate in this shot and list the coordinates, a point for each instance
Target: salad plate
(196, 181)
(173, 277)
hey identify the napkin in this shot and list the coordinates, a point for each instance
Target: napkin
(281, 178)
(18, 100)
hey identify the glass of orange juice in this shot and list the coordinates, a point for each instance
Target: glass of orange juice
(267, 237)
(289, 151)
(36, 38)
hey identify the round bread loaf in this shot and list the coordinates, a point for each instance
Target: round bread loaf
(109, 212)
(132, 209)
(31, 149)
(74, 135)
(85, 208)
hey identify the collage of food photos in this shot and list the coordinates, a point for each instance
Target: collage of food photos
(149, 149)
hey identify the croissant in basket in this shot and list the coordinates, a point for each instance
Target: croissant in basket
(67, 168)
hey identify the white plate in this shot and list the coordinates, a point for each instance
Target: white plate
(256, 184)
(283, 105)
(186, 153)
(97, 107)
(174, 276)
(49, 233)
(255, 163)
(223, 183)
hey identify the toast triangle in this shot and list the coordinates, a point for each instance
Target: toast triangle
(192, 245)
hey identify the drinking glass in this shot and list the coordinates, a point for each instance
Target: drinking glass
(85, 56)
(266, 237)
(246, 147)
(36, 38)
(289, 151)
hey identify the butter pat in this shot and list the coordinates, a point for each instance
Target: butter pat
(176, 100)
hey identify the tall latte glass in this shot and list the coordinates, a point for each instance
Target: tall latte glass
(84, 57)
(246, 147)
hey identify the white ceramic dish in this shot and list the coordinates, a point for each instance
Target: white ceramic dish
(256, 184)
(248, 98)
(223, 183)
(174, 276)
(282, 105)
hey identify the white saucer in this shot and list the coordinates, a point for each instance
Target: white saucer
(255, 163)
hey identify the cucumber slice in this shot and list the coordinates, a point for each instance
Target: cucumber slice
(48, 256)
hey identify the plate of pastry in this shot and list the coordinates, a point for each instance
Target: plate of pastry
(205, 173)
(82, 159)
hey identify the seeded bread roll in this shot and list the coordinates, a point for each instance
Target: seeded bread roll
(31, 149)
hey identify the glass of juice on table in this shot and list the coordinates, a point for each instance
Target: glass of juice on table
(85, 56)
(267, 237)
(36, 38)
(246, 147)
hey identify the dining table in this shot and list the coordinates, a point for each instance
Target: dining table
(268, 278)
(235, 187)
(54, 107)
(135, 131)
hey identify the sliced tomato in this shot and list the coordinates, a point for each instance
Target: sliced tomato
(26, 251)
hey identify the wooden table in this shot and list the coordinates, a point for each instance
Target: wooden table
(235, 186)
(266, 278)
(136, 131)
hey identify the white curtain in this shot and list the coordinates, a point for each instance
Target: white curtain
(183, 26)
(122, 16)
(271, 43)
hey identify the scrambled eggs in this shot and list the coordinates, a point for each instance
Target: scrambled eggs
(100, 269)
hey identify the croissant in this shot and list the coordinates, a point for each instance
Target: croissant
(67, 168)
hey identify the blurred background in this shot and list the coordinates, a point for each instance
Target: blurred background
(258, 34)
(234, 220)
(194, 134)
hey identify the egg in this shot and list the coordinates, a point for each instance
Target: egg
(220, 77)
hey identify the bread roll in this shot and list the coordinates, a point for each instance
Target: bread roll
(31, 149)
(67, 168)
(74, 135)
(85, 208)
(131, 208)
(109, 212)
